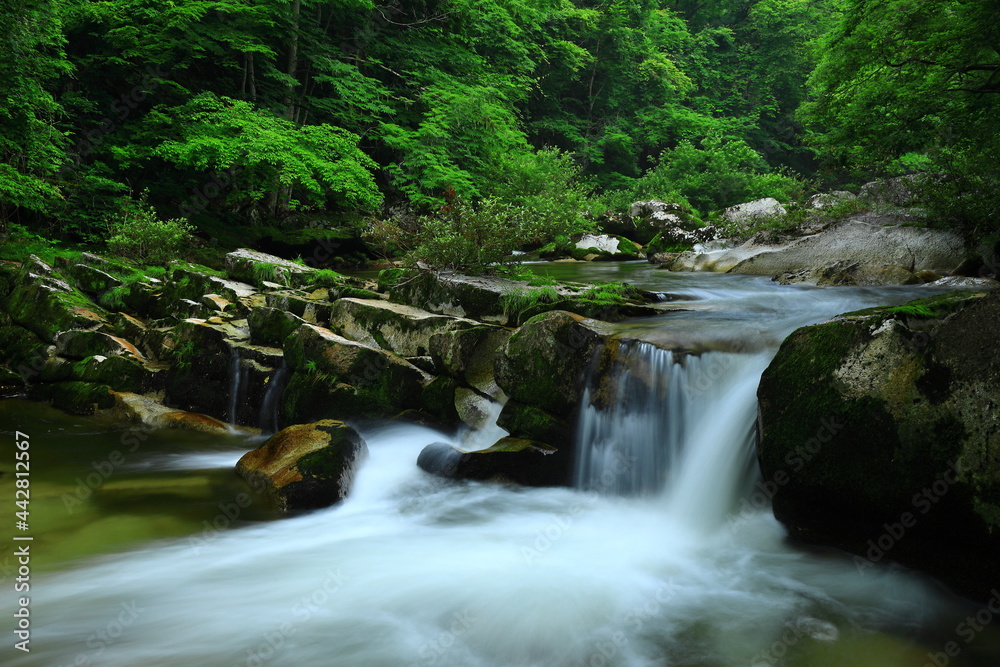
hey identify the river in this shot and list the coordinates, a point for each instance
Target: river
(657, 558)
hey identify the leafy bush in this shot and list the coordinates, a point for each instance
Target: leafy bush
(470, 239)
(549, 186)
(714, 175)
(138, 234)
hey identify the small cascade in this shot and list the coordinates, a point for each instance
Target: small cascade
(237, 377)
(271, 405)
(671, 423)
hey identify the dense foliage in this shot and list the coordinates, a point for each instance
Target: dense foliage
(235, 113)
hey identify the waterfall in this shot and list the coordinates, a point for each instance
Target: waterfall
(671, 424)
(236, 376)
(271, 405)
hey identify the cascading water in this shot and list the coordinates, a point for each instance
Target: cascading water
(672, 424)
(415, 570)
(270, 406)
(236, 382)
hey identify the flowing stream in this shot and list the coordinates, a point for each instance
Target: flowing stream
(645, 563)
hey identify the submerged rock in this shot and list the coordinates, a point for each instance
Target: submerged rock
(888, 421)
(305, 466)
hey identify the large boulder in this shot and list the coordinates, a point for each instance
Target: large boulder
(45, 304)
(653, 217)
(874, 240)
(305, 466)
(545, 362)
(758, 209)
(605, 246)
(469, 355)
(879, 432)
(259, 268)
(475, 297)
(337, 377)
(401, 329)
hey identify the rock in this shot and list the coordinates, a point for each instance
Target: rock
(828, 199)
(966, 283)
(120, 373)
(305, 466)
(653, 217)
(91, 280)
(901, 191)
(201, 357)
(401, 329)
(866, 239)
(768, 207)
(312, 309)
(528, 422)
(43, 303)
(271, 326)
(474, 297)
(79, 398)
(469, 355)
(149, 412)
(673, 237)
(846, 272)
(9, 382)
(254, 267)
(606, 246)
(353, 377)
(886, 414)
(509, 461)
(545, 361)
(77, 344)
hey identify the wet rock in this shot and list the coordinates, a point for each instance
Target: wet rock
(886, 414)
(136, 408)
(271, 326)
(91, 280)
(509, 461)
(401, 329)
(544, 363)
(474, 297)
(305, 466)
(256, 268)
(79, 398)
(768, 207)
(77, 344)
(45, 304)
(335, 376)
(847, 272)
(469, 355)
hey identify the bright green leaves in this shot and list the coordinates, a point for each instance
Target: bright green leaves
(288, 166)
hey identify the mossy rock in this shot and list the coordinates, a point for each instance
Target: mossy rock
(22, 351)
(475, 297)
(509, 461)
(397, 328)
(119, 373)
(438, 399)
(860, 416)
(470, 355)
(79, 398)
(306, 466)
(43, 303)
(544, 363)
(80, 344)
(271, 326)
(92, 280)
(9, 380)
(528, 422)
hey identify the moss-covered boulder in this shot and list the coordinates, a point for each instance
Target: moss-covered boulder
(271, 326)
(258, 268)
(528, 422)
(120, 373)
(398, 328)
(45, 304)
(305, 466)
(355, 377)
(606, 247)
(92, 280)
(476, 297)
(80, 344)
(509, 461)
(23, 351)
(79, 398)
(880, 432)
(544, 364)
(469, 355)
(313, 308)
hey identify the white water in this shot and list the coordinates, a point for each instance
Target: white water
(414, 570)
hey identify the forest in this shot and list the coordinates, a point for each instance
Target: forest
(417, 123)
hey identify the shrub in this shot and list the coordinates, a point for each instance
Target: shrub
(138, 234)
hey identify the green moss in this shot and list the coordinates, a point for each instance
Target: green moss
(77, 397)
(330, 462)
